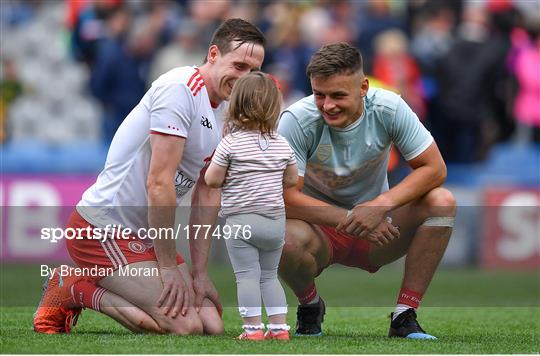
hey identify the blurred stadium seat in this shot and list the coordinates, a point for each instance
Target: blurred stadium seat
(516, 165)
(31, 156)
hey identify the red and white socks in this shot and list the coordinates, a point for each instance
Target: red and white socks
(87, 295)
(407, 299)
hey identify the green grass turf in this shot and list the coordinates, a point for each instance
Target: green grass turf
(470, 311)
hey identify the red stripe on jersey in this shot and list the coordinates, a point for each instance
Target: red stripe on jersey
(193, 76)
(195, 83)
(164, 134)
(198, 89)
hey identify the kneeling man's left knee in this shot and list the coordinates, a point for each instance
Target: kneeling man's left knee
(440, 202)
(213, 325)
(212, 322)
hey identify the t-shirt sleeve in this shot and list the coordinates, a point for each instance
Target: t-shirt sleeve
(292, 159)
(289, 128)
(222, 155)
(408, 134)
(172, 110)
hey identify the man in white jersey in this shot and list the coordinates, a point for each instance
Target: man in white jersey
(342, 210)
(155, 158)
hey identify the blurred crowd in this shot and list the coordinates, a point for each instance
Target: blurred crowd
(469, 69)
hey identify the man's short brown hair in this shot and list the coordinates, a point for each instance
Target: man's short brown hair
(335, 58)
(236, 30)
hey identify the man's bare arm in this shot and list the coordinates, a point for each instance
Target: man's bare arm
(429, 172)
(166, 155)
(205, 204)
(290, 176)
(303, 207)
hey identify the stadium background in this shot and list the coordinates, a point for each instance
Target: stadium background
(71, 71)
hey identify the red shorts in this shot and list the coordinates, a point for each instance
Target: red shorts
(347, 250)
(111, 253)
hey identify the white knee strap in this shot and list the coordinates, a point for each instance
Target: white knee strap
(439, 221)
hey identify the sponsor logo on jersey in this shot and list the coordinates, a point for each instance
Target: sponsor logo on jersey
(182, 183)
(326, 178)
(206, 123)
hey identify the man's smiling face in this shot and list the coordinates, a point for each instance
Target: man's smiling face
(339, 97)
(229, 67)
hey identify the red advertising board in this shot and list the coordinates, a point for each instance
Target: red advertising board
(511, 234)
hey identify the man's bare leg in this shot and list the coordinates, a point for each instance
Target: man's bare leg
(424, 247)
(304, 255)
(143, 293)
(127, 314)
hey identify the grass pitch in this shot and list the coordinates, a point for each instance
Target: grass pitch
(469, 310)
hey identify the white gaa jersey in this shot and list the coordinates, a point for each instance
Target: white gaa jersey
(176, 104)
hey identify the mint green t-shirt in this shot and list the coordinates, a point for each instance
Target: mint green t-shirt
(348, 166)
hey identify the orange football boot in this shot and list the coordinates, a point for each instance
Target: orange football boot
(277, 335)
(254, 336)
(55, 313)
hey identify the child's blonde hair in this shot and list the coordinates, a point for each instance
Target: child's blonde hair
(255, 104)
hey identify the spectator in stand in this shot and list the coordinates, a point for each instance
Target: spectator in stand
(527, 103)
(468, 77)
(376, 16)
(119, 75)
(87, 21)
(503, 18)
(10, 89)
(288, 48)
(396, 68)
(432, 36)
(184, 50)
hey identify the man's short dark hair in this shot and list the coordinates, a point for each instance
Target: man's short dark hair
(236, 30)
(335, 58)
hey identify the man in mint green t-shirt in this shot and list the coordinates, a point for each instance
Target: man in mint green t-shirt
(342, 210)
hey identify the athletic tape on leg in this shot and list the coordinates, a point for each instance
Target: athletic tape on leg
(439, 221)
